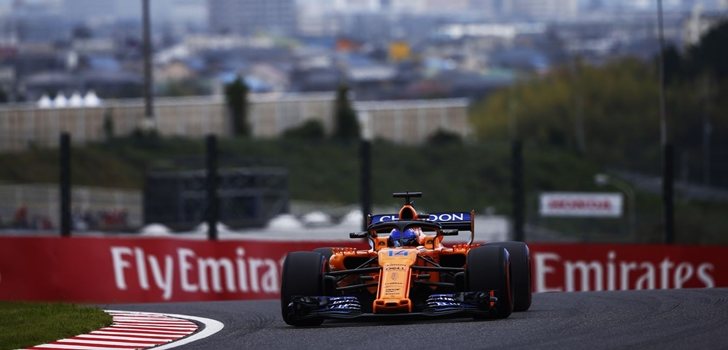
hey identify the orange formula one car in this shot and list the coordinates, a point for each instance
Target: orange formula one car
(407, 272)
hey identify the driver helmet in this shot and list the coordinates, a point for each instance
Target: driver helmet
(398, 238)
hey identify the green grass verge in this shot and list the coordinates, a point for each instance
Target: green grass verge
(27, 324)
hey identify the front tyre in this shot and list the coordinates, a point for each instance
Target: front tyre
(489, 268)
(327, 252)
(521, 269)
(303, 275)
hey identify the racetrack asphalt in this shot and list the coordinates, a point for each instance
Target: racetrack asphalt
(657, 319)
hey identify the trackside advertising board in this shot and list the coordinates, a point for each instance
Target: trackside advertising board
(595, 267)
(142, 269)
(122, 270)
(580, 204)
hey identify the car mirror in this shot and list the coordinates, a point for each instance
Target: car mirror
(450, 232)
(358, 234)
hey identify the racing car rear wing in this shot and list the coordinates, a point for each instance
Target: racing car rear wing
(463, 221)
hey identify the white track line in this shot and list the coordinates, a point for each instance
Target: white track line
(211, 327)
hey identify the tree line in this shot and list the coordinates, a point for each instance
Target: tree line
(610, 112)
(346, 125)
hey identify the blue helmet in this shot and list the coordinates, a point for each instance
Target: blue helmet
(399, 238)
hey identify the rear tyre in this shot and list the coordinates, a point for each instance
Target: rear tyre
(521, 270)
(488, 268)
(303, 274)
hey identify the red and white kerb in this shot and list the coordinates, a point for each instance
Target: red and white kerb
(130, 330)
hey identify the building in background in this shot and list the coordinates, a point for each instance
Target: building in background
(180, 12)
(487, 8)
(95, 12)
(248, 17)
(541, 9)
(90, 10)
(30, 7)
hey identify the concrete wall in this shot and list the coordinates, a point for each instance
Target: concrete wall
(408, 121)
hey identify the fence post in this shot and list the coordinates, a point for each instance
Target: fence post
(668, 195)
(517, 191)
(211, 181)
(365, 158)
(65, 184)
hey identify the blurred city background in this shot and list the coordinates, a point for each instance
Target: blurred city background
(448, 93)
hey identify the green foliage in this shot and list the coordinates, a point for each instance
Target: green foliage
(697, 103)
(34, 165)
(711, 53)
(674, 65)
(108, 126)
(90, 166)
(346, 125)
(452, 176)
(236, 97)
(610, 113)
(27, 324)
(612, 108)
(310, 130)
(185, 87)
(444, 137)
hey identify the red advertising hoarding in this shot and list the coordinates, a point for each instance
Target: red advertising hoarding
(141, 269)
(590, 267)
(117, 270)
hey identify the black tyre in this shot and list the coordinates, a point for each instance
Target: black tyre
(303, 274)
(521, 270)
(327, 252)
(489, 268)
(329, 284)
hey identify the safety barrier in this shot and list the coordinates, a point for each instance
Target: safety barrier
(119, 270)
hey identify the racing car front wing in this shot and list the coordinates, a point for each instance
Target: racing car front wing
(480, 304)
